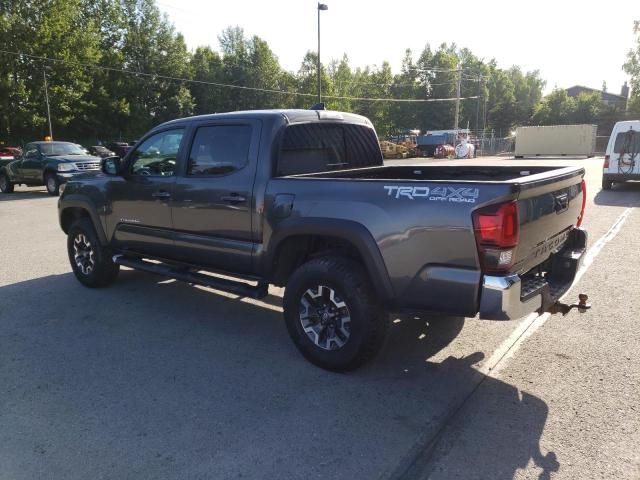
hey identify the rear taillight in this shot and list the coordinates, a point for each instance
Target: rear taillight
(497, 230)
(606, 162)
(584, 203)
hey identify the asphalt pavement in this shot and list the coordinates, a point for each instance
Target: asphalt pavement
(152, 378)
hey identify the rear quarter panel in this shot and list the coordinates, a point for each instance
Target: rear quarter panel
(414, 224)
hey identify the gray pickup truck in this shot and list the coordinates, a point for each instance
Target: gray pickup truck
(302, 199)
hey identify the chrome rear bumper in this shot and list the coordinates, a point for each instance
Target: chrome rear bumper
(511, 296)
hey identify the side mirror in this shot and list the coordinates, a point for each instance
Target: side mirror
(111, 166)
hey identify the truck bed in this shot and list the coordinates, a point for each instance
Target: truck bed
(461, 173)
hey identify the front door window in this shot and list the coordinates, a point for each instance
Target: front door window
(156, 156)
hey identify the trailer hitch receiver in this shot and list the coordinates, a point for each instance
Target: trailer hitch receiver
(563, 308)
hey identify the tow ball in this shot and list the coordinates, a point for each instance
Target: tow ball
(563, 308)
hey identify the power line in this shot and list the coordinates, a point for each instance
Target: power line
(226, 85)
(415, 84)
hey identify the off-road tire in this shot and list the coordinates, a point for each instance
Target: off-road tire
(52, 184)
(5, 185)
(102, 271)
(368, 321)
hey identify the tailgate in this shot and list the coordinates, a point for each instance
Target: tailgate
(549, 205)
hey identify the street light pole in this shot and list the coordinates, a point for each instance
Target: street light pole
(321, 6)
(46, 96)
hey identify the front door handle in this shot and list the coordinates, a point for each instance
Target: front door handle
(161, 194)
(234, 198)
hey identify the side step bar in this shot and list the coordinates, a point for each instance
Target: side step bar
(185, 275)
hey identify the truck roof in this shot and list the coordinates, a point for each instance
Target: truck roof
(289, 115)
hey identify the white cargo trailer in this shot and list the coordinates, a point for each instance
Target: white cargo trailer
(556, 140)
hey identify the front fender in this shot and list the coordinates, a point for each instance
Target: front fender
(49, 168)
(83, 202)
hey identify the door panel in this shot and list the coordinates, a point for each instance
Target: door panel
(30, 167)
(140, 214)
(213, 199)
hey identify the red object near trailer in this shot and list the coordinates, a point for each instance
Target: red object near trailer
(444, 151)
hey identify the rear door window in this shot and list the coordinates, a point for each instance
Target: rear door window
(220, 149)
(628, 142)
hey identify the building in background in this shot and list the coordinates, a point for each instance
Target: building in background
(609, 99)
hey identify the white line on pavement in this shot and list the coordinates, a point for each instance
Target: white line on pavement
(500, 358)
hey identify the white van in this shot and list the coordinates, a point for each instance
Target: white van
(622, 158)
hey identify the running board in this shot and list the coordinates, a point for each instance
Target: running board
(185, 275)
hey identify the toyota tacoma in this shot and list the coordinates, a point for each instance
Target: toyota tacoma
(302, 199)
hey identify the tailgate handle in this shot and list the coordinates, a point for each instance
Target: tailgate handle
(562, 202)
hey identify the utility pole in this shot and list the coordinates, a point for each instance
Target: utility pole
(458, 99)
(484, 115)
(478, 106)
(46, 96)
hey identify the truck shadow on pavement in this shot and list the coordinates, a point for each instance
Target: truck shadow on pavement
(621, 195)
(493, 434)
(156, 379)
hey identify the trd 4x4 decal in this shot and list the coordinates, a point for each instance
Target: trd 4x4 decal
(437, 194)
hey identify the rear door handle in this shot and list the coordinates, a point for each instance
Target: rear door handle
(234, 198)
(161, 194)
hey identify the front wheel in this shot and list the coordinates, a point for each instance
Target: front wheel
(332, 314)
(5, 184)
(52, 184)
(91, 262)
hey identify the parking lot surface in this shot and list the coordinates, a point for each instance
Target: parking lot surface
(153, 378)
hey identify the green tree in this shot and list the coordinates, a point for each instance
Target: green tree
(206, 66)
(308, 80)
(501, 114)
(54, 28)
(557, 108)
(588, 107)
(120, 63)
(632, 67)
(406, 85)
(151, 46)
(342, 80)
(440, 79)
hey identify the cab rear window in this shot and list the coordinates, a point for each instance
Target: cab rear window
(323, 147)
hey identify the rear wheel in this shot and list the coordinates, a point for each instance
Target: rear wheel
(5, 184)
(52, 184)
(90, 261)
(332, 315)
(606, 183)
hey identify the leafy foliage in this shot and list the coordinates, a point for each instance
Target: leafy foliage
(120, 68)
(632, 67)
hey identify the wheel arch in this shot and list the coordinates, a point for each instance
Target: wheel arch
(297, 240)
(73, 207)
(48, 170)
